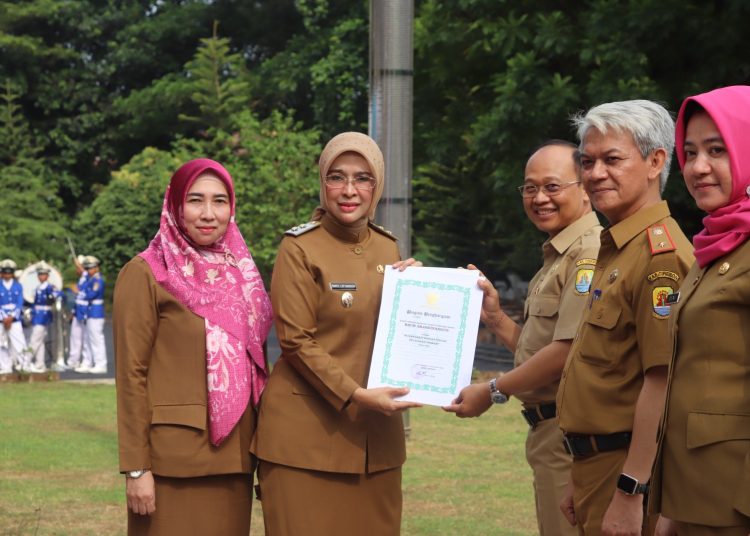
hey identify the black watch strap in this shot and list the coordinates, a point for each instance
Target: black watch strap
(630, 485)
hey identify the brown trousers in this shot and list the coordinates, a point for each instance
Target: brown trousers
(197, 506)
(315, 503)
(595, 482)
(551, 465)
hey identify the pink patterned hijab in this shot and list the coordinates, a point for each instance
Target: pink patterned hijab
(221, 284)
(727, 227)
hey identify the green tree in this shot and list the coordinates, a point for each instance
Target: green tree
(16, 139)
(218, 79)
(33, 227)
(493, 79)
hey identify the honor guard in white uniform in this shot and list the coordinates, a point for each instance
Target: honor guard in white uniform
(94, 332)
(44, 298)
(78, 325)
(12, 340)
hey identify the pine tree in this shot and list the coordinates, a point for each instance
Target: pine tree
(220, 81)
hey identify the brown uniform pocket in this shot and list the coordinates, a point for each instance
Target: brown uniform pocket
(708, 428)
(544, 306)
(192, 415)
(600, 347)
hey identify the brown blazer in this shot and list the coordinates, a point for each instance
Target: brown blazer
(702, 470)
(305, 417)
(160, 353)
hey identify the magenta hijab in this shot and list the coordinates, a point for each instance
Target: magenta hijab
(222, 285)
(727, 227)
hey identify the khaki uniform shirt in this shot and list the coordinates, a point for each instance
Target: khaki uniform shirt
(642, 259)
(162, 411)
(326, 289)
(558, 295)
(702, 471)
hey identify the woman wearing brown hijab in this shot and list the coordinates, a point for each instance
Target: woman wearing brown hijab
(330, 450)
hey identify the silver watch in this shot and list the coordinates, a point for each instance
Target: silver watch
(496, 396)
(136, 474)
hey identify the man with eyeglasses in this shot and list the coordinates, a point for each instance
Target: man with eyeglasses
(612, 390)
(556, 203)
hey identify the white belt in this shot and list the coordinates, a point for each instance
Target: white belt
(97, 302)
(81, 302)
(42, 307)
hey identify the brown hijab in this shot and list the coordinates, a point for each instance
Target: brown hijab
(361, 144)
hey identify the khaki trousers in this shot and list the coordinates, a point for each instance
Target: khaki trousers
(551, 465)
(595, 481)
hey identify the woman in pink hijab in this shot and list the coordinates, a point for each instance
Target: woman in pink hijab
(701, 481)
(190, 320)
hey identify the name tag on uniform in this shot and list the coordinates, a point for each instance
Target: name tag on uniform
(673, 298)
(343, 286)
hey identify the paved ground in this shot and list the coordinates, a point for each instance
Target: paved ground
(489, 357)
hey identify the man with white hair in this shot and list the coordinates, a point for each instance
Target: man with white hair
(44, 297)
(612, 390)
(12, 340)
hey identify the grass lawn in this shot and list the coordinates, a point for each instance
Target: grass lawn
(58, 460)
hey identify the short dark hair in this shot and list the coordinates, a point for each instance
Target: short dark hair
(560, 143)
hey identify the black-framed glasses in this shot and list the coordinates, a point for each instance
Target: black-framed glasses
(336, 181)
(550, 189)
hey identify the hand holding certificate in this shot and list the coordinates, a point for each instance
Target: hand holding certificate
(427, 332)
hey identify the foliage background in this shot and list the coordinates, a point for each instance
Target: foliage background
(100, 101)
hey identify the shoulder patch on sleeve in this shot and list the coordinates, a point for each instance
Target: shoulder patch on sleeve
(302, 228)
(385, 232)
(659, 239)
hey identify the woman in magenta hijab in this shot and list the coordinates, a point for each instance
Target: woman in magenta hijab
(190, 320)
(701, 482)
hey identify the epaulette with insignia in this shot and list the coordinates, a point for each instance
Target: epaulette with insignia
(659, 239)
(302, 228)
(382, 230)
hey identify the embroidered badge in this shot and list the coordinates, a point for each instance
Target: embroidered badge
(661, 305)
(591, 262)
(583, 280)
(663, 273)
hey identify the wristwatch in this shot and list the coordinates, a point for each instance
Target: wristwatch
(630, 486)
(496, 396)
(136, 474)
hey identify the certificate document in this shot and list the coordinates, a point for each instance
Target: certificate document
(427, 333)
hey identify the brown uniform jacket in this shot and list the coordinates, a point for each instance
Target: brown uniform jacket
(702, 471)
(558, 294)
(160, 354)
(305, 417)
(624, 332)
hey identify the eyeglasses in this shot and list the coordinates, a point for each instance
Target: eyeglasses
(550, 189)
(336, 182)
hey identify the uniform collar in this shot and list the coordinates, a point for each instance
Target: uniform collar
(354, 234)
(565, 238)
(8, 284)
(624, 231)
(42, 286)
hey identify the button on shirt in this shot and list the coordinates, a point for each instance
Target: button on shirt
(625, 329)
(558, 295)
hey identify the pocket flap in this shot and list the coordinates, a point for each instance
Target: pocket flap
(544, 307)
(193, 415)
(706, 428)
(603, 315)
